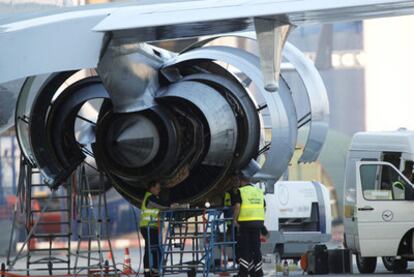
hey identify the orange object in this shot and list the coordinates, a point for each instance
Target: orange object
(304, 262)
(127, 262)
(32, 243)
(109, 256)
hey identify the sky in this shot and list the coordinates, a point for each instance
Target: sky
(389, 53)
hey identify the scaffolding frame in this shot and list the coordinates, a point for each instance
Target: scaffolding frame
(94, 216)
(193, 241)
(27, 207)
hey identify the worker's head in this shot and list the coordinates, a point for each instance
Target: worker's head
(154, 188)
(243, 180)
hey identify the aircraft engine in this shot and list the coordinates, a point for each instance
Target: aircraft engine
(190, 121)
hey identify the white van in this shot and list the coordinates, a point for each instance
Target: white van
(379, 199)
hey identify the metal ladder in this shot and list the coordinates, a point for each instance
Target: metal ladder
(92, 220)
(195, 239)
(49, 225)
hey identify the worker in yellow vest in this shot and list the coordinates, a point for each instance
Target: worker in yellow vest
(249, 212)
(228, 213)
(150, 207)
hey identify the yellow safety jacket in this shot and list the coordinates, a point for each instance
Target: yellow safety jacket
(252, 206)
(227, 199)
(148, 216)
(227, 204)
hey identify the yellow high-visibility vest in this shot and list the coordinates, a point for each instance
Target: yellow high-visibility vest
(148, 216)
(252, 206)
(227, 204)
(227, 199)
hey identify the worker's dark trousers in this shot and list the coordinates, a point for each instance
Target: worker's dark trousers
(250, 256)
(153, 233)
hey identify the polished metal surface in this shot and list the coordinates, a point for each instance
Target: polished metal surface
(281, 150)
(135, 142)
(271, 36)
(250, 170)
(37, 134)
(315, 93)
(218, 114)
(248, 122)
(78, 32)
(30, 89)
(298, 12)
(129, 72)
(318, 102)
(28, 44)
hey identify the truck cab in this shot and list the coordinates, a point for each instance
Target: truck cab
(379, 199)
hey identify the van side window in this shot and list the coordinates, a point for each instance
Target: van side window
(382, 182)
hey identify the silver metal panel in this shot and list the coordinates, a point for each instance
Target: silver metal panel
(137, 141)
(318, 100)
(298, 11)
(50, 44)
(251, 169)
(289, 104)
(315, 92)
(218, 113)
(271, 37)
(27, 49)
(281, 149)
(27, 95)
(129, 72)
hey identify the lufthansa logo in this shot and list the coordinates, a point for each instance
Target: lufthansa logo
(387, 215)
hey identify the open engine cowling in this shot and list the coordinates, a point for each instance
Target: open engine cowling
(190, 121)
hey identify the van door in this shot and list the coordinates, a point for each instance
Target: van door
(383, 214)
(350, 203)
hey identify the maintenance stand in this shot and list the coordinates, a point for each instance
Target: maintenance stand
(194, 241)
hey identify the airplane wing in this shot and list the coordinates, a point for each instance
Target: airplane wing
(72, 38)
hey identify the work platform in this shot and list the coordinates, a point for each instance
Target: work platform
(194, 241)
(48, 220)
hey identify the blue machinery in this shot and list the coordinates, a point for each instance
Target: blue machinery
(194, 241)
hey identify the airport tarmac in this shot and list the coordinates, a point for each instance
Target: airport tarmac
(269, 268)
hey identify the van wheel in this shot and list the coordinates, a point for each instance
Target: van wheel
(395, 265)
(366, 264)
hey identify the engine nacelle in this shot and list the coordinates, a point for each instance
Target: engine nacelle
(190, 121)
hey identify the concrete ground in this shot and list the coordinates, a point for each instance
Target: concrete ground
(269, 268)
